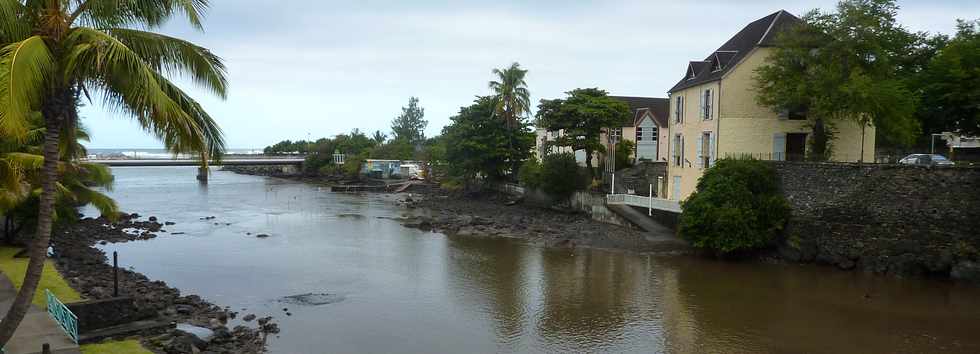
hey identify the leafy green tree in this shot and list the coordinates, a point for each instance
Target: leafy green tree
(624, 154)
(582, 116)
(737, 207)
(530, 173)
(410, 125)
(950, 89)
(379, 137)
(476, 144)
(561, 175)
(53, 51)
(843, 66)
(398, 149)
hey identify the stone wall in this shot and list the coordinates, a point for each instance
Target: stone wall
(902, 220)
(108, 312)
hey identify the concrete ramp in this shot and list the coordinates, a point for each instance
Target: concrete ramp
(36, 329)
(654, 230)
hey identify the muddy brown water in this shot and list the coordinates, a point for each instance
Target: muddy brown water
(388, 289)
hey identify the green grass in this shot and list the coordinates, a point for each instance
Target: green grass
(14, 269)
(121, 347)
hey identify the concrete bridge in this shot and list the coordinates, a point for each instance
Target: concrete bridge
(202, 172)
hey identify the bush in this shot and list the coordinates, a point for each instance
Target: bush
(624, 154)
(530, 173)
(561, 175)
(737, 206)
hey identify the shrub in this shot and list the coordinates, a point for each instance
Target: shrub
(561, 175)
(737, 206)
(530, 173)
(624, 154)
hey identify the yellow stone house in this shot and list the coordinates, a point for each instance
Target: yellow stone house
(714, 113)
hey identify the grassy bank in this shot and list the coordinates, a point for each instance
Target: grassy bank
(131, 346)
(14, 269)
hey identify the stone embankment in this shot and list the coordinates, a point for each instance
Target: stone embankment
(900, 220)
(86, 269)
(496, 215)
(265, 170)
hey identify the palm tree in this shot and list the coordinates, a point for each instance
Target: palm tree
(52, 52)
(512, 101)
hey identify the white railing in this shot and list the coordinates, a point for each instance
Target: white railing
(644, 202)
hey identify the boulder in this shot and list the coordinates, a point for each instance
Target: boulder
(966, 271)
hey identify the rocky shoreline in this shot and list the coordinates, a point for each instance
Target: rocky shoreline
(491, 214)
(86, 270)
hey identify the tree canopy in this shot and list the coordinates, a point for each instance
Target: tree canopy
(950, 84)
(582, 116)
(410, 125)
(844, 66)
(512, 100)
(476, 144)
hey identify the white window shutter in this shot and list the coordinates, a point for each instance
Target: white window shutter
(779, 146)
(700, 153)
(701, 104)
(711, 148)
(682, 150)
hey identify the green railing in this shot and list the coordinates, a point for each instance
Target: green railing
(64, 316)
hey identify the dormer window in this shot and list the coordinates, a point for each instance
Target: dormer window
(691, 73)
(715, 65)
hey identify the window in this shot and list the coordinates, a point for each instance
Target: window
(678, 150)
(705, 104)
(653, 133)
(615, 134)
(639, 133)
(679, 109)
(706, 150)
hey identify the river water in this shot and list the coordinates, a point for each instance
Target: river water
(399, 290)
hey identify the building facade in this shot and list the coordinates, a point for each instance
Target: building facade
(714, 113)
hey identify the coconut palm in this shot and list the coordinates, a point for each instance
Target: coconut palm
(52, 52)
(512, 101)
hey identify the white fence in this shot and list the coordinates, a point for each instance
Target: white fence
(644, 202)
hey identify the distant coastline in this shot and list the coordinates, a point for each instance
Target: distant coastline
(153, 154)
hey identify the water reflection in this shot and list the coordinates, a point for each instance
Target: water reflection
(407, 291)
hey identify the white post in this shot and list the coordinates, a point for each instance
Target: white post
(650, 208)
(612, 188)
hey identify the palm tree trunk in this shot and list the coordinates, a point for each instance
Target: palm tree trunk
(39, 248)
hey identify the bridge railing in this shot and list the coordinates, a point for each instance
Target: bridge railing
(61, 314)
(644, 202)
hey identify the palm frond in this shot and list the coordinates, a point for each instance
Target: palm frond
(176, 56)
(25, 67)
(131, 85)
(14, 25)
(106, 206)
(148, 13)
(97, 174)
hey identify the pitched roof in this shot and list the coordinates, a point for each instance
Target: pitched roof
(639, 105)
(759, 33)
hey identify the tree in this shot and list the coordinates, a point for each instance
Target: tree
(512, 100)
(582, 116)
(561, 176)
(843, 66)
(54, 51)
(476, 144)
(950, 93)
(379, 137)
(737, 206)
(410, 125)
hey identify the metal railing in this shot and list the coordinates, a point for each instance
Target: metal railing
(644, 202)
(62, 315)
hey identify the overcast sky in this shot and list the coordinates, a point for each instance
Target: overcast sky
(318, 68)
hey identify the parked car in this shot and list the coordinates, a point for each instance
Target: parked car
(926, 160)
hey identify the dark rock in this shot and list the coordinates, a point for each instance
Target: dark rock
(248, 318)
(152, 218)
(967, 271)
(262, 235)
(168, 223)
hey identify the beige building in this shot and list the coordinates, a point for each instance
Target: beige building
(647, 130)
(714, 113)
